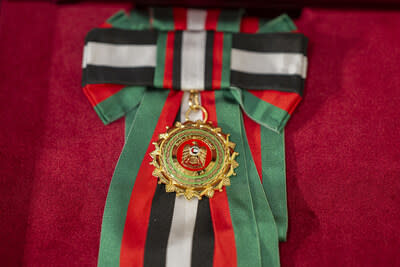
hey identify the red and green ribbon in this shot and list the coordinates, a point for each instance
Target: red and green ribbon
(248, 217)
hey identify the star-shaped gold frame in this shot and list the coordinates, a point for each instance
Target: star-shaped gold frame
(216, 181)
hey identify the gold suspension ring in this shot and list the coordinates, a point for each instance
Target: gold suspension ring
(195, 105)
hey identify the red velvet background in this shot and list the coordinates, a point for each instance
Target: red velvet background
(342, 144)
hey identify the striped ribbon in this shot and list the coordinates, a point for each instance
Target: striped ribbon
(123, 73)
(196, 60)
(199, 60)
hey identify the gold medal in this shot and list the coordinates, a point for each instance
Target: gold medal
(194, 158)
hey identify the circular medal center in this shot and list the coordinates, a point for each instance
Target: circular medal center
(194, 155)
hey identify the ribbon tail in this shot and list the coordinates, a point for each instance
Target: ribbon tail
(274, 177)
(268, 146)
(150, 120)
(264, 215)
(271, 153)
(251, 215)
(239, 195)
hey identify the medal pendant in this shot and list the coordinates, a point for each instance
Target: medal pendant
(194, 158)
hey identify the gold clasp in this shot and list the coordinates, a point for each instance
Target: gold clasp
(195, 105)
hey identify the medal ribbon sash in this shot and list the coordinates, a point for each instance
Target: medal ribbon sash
(251, 82)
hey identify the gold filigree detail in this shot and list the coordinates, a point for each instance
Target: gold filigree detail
(194, 183)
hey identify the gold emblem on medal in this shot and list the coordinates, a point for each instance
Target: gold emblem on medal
(194, 159)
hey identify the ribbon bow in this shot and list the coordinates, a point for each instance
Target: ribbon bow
(127, 71)
(201, 60)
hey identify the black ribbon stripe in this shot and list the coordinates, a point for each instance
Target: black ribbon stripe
(271, 42)
(160, 221)
(283, 83)
(177, 59)
(203, 236)
(141, 76)
(120, 36)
